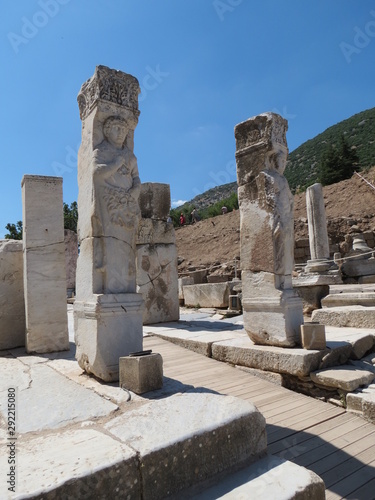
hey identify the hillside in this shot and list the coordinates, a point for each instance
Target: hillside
(302, 164)
(359, 130)
(350, 207)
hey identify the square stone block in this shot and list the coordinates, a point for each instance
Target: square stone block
(141, 373)
(313, 336)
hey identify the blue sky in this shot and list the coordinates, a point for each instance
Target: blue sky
(203, 66)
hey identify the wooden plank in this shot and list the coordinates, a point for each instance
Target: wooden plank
(366, 492)
(353, 450)
(314, 449)
(350, 483)
(318, 432)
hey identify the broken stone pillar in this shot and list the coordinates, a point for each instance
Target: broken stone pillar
(318, 235)
(107, 310)
(157, 270)
(12, 304)
(272, 310)
(71, 256)
(44, 264)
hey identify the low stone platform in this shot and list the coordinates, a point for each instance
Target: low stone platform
(227, 341)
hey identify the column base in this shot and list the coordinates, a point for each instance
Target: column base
(318, 266)
(274, 320)
(106, 328)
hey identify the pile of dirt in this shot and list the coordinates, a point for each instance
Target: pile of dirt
(350, 208)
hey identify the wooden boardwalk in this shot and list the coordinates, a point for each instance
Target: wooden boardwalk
(338, 446)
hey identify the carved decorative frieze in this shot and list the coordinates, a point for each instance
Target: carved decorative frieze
(108, 85)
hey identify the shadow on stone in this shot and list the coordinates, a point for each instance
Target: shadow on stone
(172, 386)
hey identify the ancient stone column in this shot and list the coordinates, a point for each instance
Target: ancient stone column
(318, 235)
(107, 310)
(44, 264)
(272, 310)
(157, 272)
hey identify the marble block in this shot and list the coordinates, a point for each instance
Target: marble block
(44, 264)
(141, 374)
(313, 336)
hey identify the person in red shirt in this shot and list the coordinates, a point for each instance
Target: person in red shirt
(182, 219)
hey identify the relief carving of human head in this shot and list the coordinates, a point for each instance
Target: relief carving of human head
(115, 130)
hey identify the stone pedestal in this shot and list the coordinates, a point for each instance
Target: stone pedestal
(108, 312)
(157, 270)
(44, 264)
(318, 235)
(12, 304)
(272, 310)
(106, 326)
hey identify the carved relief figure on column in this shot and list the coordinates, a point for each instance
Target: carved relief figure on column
(116, 213)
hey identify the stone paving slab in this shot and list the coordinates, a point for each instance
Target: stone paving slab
(269, 478)
(349, 299)
(345, 377)
(353, 316)
(74, 464)
(61, 401)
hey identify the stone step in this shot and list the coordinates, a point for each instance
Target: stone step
(345, 377)
(271, 477)
(197, 435)
(363, 402)
(349, 299)
(350, 316)
(333, 289)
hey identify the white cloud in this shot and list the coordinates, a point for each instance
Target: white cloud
(177, 203)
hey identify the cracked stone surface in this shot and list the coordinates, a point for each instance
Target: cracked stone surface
(61, 401)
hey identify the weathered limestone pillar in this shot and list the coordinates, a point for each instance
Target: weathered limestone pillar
(107, 310)
(318, 235)
(12, 304)
(44, 264)
(157, 271)
(272, 310)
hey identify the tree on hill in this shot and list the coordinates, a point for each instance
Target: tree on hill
(15, 231)
(71, 216)
(337, 163)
